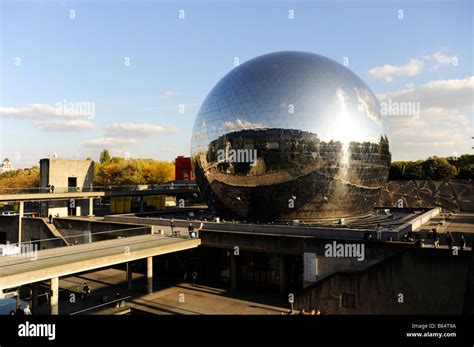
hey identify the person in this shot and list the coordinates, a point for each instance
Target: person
(449, 240)
(194, 277)
(367, 236)
(19, 311)
(12, 313)
(85, 291)
(409, 236)
(463, 242)
(379, 232)
(172, 226)
(27, 310)
(191, 232)
(117, 298)
(435, 238)
(50, 219)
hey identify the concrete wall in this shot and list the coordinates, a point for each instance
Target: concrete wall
(9, 224)
(454, 195)
(374, 251)
(35, 228)
(31, 228)
(83, 230)
(60, 208)
(56, 172)
(285, 244)
(432, 281)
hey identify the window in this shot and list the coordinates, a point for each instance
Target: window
(348, 300)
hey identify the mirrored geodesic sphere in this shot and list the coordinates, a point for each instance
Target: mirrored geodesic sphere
(290, 135)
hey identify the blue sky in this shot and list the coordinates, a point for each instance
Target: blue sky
(47, 57)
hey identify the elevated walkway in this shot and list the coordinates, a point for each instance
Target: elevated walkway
(53, 263)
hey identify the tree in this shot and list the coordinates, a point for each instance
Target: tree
(104, 156)
(414, 170)
(396, 171)
(438, 168)
(28, 178)
(120, 171)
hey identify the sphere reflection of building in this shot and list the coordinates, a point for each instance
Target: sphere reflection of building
(320, 144)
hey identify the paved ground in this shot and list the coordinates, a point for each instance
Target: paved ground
(186, 298)
(453, 222)
(176, 298)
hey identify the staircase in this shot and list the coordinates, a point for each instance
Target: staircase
(55, 231)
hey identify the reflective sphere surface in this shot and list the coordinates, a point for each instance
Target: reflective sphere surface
(290, 135)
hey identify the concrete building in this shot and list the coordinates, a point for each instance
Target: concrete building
(62, 176)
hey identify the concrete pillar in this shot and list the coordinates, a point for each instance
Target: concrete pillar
(18, 301)
(129, 275)
(91, 207)
(233, 271)
(34, 298)
(149, 274)
(142, 203)
(54, 295)
(21, 211)
(282, 274)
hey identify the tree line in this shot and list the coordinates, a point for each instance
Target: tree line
(117, 171)
(434, 168)
(109, 171)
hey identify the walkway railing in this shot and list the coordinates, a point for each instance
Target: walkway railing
(52, 190)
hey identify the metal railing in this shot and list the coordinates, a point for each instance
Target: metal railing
(51, 190)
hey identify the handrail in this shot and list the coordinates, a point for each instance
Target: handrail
(97, 306)
(76, 236)
(139, 187)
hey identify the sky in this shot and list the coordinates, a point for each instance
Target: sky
(129, 76)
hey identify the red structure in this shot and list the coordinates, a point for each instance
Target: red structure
(183, 169)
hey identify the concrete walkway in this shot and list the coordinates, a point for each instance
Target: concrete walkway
(186, 298)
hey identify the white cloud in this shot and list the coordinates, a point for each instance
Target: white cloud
(65, 125)
(388, 72)
(242, 124)
(31, 111)
(111, 141)
(64, 116)
(440, 58)
(168, 94)
(452, 94)
(137, 129)
(444, 125)
(63, 109)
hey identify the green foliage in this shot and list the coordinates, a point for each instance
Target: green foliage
(120, 171)
(434, 168)
(28, 178)
(104, 156)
